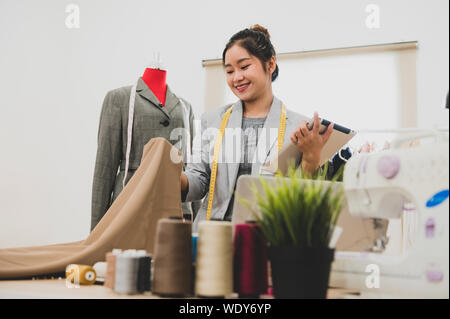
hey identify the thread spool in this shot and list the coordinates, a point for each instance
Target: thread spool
(100, 270)
(144, 271)
(80, 274)
(250, 261)
(126, 277)
(194, 257)
(214, 266)
(111, 267)
(194, 247)
(172, 274)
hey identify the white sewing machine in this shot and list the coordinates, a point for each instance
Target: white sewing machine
(378, 186)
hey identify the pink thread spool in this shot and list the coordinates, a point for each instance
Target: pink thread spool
(250, 261)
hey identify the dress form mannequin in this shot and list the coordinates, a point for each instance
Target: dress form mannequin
(156, 82)
(155, 78)
(144, 101)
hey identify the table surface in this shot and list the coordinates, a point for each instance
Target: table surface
(58, 289)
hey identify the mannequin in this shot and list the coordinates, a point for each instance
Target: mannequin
(156, 82)
(131, 116)
(155, 78)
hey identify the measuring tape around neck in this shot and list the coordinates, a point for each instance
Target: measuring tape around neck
(218, 144)
(129, 130)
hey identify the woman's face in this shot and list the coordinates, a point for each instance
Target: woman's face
(245, 74)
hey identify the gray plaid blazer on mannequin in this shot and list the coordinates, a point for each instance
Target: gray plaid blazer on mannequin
(150, 120)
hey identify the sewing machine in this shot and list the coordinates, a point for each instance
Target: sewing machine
(379, 186)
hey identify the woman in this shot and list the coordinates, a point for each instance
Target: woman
(250, 66)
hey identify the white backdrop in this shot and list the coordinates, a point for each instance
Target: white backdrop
(365, 88)
(360, 90)
(53, 80)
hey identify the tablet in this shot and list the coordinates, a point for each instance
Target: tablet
(290, 153)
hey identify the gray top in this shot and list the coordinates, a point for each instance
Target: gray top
(251, 128)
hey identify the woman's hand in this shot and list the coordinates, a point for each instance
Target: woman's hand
(184, 182)
(311, 143)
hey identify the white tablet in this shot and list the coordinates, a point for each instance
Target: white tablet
(290, 153)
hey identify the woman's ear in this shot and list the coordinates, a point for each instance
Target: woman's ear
(272, 64)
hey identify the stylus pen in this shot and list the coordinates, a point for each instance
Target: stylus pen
(337, 127)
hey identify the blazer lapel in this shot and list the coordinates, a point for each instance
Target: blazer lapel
(269, 137)
(171, 101)
(143, 90)
(234, 122)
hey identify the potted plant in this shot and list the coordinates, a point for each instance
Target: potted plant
(297, 216)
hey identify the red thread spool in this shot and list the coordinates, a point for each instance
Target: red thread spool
(250, 261)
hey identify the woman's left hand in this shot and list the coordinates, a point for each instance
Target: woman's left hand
(311, 142)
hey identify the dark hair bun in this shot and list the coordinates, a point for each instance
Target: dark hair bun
(261, 29)
(256, 40)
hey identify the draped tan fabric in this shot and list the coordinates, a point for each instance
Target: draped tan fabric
(130, 222)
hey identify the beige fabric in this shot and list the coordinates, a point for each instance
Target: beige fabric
(130, 222)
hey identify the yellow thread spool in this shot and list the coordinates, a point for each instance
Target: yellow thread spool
(80, 274)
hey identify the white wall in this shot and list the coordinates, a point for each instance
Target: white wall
(373, 88)
(53, 80)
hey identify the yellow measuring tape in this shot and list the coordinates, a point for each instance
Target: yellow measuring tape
(218, 144)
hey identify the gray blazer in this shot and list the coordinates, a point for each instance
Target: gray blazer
(198, 174)
(149, 118)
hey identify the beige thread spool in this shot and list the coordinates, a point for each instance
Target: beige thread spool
(111, 258)
(80, 274)
(214, 272)
(173, 258)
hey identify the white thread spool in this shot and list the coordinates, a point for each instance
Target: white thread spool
(214, 272)
(127, 272)
(100, 269)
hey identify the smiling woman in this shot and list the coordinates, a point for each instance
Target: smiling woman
(250, 68)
